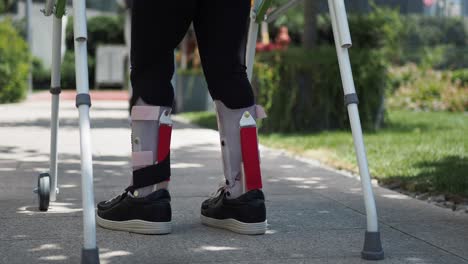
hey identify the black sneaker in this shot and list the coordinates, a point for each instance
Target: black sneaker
(147, 215)
(245, 214)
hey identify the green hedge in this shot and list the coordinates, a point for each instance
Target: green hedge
(101, 30)
(460, 76)
(422, 31)
(424, 89)
(14, 64)
(41, 76)
(405, 38)
(302, 90)
(67, 70)
(381, 28)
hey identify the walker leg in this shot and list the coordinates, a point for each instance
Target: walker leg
(55, 90)
(47, 183)
(372, 245)
(90, 253)
(252, 39)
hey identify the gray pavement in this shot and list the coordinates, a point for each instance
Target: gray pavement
(315, 214)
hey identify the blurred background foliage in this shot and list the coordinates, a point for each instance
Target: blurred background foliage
(432, 49)
(14, 64)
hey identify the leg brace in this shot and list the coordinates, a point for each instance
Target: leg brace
(241, 159)
(151, 138)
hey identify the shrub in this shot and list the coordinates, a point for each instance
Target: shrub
(41, 76)
(460, 76)
(381, 28)
(445, 36)
(101, 30)
(14, 64)
(68, 78)
(424, 31)
(292, 106)
(404, 38)
(427, 90)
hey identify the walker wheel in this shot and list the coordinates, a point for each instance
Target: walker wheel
(43, 191)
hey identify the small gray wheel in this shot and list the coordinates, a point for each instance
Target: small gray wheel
(43, 191)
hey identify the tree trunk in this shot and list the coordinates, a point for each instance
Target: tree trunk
(310, 23)
(309, 40)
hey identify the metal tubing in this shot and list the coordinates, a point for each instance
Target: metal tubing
(251, 45)
(371, 211)
(281, 10)
(79, 13)
(82, 85)
(55, 83)
(341, 20)
(348, 86)
(53, 146)
(56, 51)
(89, 221)
(29, 39)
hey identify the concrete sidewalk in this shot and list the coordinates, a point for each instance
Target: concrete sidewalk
(315, 215)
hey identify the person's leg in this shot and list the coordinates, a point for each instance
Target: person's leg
(157, 28)
(221, 27)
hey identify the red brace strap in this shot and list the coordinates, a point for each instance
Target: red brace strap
(250, 153)
(165, 132)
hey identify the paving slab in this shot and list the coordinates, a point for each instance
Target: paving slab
(315, 214)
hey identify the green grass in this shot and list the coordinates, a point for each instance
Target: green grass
(421, 151)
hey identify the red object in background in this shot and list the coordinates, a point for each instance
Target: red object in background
(282, 42)
(429, 2)
(266, 47)
(283, 39)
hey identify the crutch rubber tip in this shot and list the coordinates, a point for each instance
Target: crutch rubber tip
(90, 256)
(372, 247)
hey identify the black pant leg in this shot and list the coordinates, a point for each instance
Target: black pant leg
(222, 28)
(157, 29)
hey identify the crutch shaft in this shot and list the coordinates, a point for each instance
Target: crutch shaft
(341, 21)
(348, 86)
(83, 104)
(371, 212)
(89, 223)
(372, 243)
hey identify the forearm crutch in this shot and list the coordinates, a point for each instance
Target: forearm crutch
(90, 253)
(372, 242)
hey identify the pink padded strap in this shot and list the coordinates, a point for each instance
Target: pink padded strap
(261, 114)
(143, 158)
(145, 113)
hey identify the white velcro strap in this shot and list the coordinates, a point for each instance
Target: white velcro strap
(143, 158)
(145, 113)
(260, 112)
